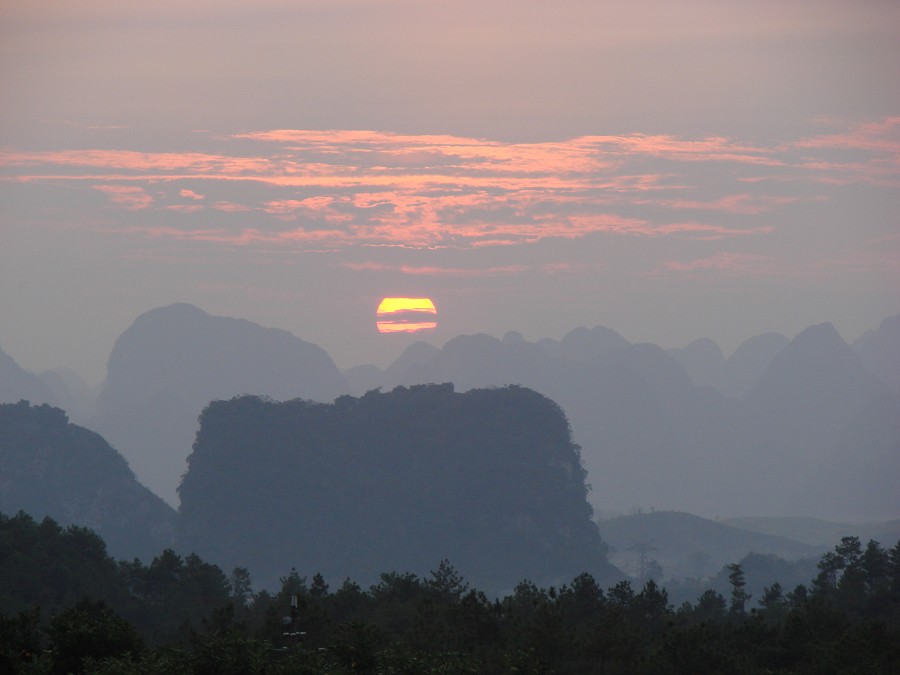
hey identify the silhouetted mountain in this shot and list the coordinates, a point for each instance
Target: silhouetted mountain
(858, 479)
(749, 362)
(702, 360)
(17, 384)
(812, 390)
(49, 467)
(364, 378)
(61, 388)
(652, 437)
(392, 481)
(640, 420)
(404, 369)
(582, 344)
(798, 412)
(173, 360)
(686, 545)
(71, 393)
(879, 351)
(817, 531)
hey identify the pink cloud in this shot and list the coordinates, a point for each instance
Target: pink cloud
(734, 263)
(127, 196)
(435, 271)
(737, 203)
(369, 188)
(744, 264)
(882, 136)
(184, 208)
(231, 207)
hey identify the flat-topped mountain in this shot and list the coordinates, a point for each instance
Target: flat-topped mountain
(489, 479)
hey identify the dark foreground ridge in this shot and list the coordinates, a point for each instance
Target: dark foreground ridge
(489, 478)
(182, 616)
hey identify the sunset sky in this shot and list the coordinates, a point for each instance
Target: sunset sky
(670, 170)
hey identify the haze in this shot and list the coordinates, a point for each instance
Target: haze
(672, 171)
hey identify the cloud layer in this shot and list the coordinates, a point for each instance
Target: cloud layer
(316, 191)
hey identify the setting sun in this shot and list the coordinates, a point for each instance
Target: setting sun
(406, 315)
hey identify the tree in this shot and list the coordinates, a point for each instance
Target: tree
(739, 596)
(241, 586)
(446, 583)
(89, 630)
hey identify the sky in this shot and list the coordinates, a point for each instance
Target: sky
(669, 170)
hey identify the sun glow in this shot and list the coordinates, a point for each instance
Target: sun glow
(406, 315)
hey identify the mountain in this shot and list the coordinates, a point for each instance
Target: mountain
(17, 384)
(60, 387)
(173, 360)
(71, 393)
(702, 360)
(583, 344)
(392, 481)
(686, 545)
(749, 362)
(799, 418)
(817, 531)
(858, 478)
(50, 467)
(648, 434)
(879, 351)
(785, 426)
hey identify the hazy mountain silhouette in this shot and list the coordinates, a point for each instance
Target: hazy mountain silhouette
(799, 410)
(633, 409)
(583, 344)
(749, 362)
(71, 393)
(651, 436)
(817, 531)
(173, 360)
(392, 481)
(59, 387)
(702, 360)
(858, 479)
(16, 383)
(879, 351)
(686, 545)
(812, 390)
(50, 467)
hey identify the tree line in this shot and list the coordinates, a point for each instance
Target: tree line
(68, 607)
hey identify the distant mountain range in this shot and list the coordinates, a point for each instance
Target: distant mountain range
(801, 426)
(685, 545)
(781, 427)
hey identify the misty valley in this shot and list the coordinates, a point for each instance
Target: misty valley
(229, 501)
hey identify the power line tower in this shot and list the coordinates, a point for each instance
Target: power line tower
(642, 548)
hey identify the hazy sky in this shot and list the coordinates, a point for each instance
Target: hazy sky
(670, 170)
